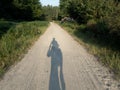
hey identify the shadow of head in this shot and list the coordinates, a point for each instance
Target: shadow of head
(55, 53)
(53, 49)
(54, 43)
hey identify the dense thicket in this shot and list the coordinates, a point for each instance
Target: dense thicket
(102, 17)
(20, 9)
(83, 10)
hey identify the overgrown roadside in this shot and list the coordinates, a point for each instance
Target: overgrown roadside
(105, 54)
(16, 38)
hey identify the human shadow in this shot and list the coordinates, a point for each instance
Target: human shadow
(56, 81)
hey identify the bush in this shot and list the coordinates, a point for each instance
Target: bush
(100, 48)
(4, 26)
(113, 25)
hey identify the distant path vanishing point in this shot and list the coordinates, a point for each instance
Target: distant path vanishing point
(57, 62)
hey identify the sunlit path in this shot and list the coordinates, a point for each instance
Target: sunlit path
(57, 62)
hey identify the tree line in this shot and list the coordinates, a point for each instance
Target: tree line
(51, 12)
(83, 10)
(102, 17)
(26, 10)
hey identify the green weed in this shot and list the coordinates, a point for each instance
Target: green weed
(107, 55)
(17, 40)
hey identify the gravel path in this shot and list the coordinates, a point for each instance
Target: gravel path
(57, 62)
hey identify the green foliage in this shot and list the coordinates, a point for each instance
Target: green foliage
(4, 27)
(50, 12)
(83, 10)
(105, 54)
(20, 9)
(17, 41)
(102, 18)
(62, 8)
(113, 22)
(27, 10)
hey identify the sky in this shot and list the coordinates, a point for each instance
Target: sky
(50, 2)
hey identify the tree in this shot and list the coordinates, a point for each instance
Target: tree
(51, 12)
(6, 7)
(20, 9)
(28, 9)
(104, 14)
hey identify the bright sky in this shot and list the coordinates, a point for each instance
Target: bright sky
(50, 2)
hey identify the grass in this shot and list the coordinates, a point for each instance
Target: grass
(5, 26)
(17, 39)
(106, 55)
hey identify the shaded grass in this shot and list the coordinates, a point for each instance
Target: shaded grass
(17, 40)
(5, 26)
(106, 54)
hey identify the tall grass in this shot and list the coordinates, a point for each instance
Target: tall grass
(17, 40)
(5, 26)
(106, 54)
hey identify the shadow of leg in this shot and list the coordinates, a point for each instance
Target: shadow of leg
(54, 79)
(62, 80)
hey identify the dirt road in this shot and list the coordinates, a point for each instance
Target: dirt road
(57, 62)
